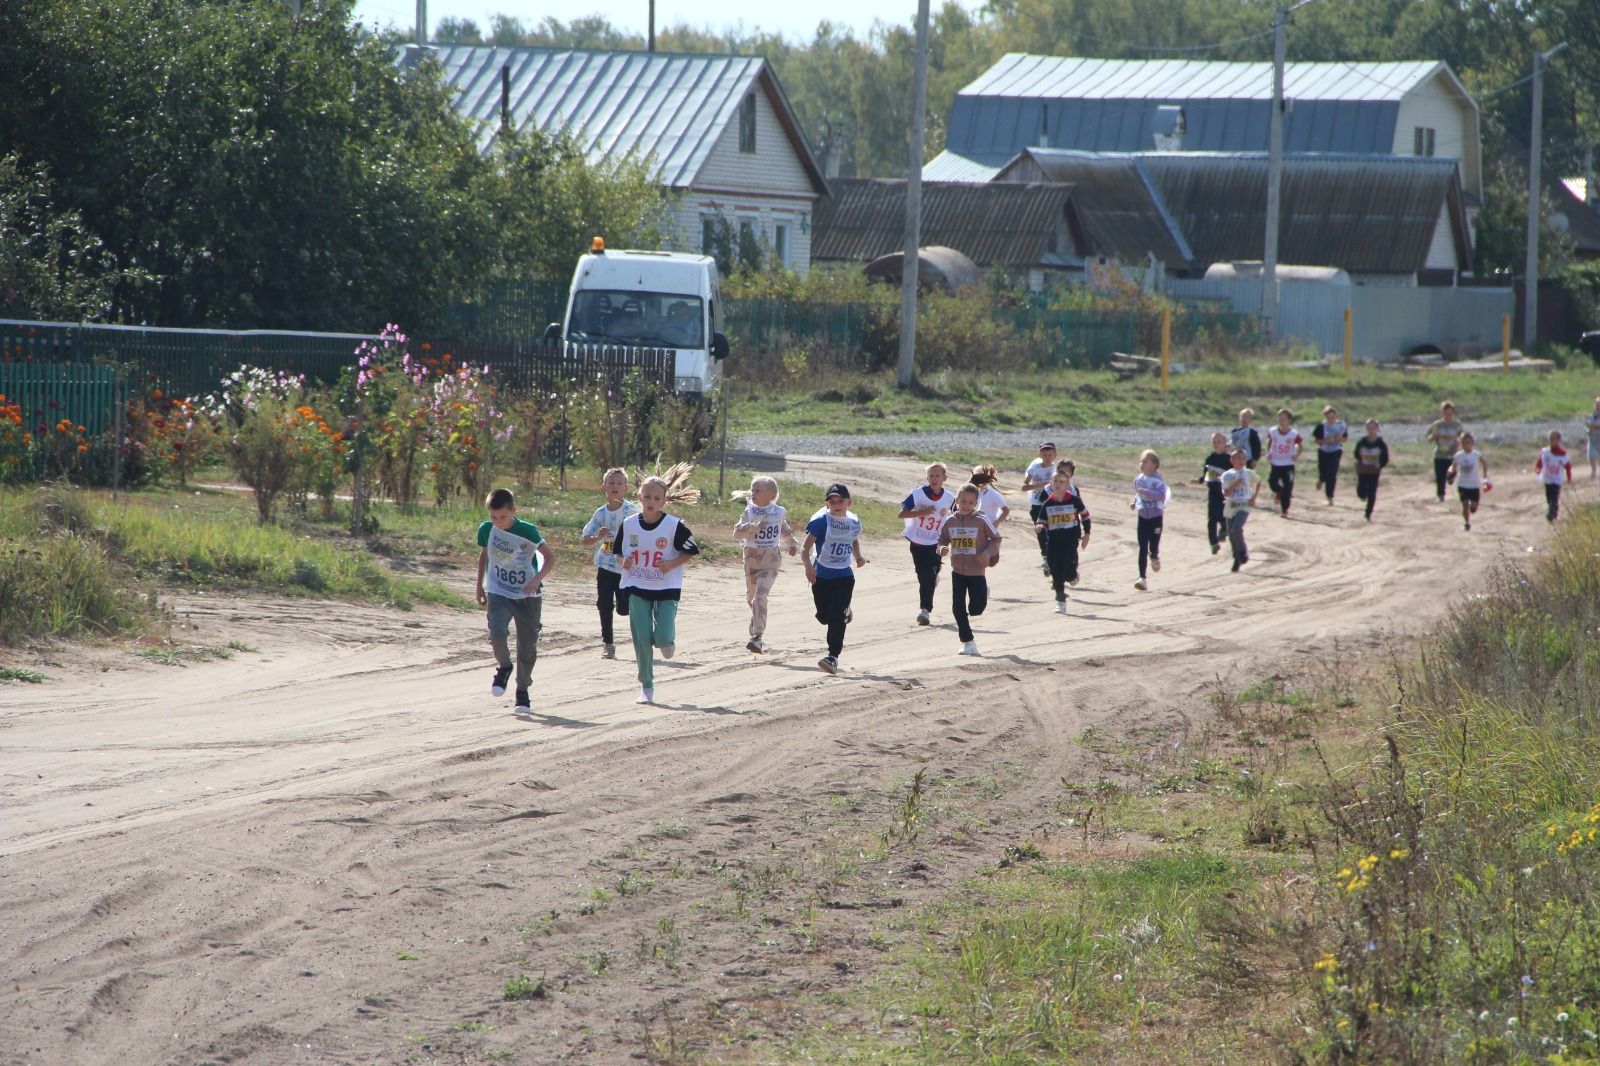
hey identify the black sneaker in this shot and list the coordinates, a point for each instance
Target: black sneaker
(829, 664)
(497, 687)
(523, 703)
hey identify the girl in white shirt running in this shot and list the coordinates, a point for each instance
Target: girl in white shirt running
(1471, 474)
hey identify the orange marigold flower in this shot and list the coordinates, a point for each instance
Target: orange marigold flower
(82, 448)
(427, 347)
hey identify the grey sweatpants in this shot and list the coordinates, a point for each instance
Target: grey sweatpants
(502, 610)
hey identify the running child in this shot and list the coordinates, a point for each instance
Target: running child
(1445, 433)
(970, 540)
(1470, 472)
(1372, 455)
(766, 533)
(1591, 423)
(655, 547)
(1244, 436)
(1036, 484)
(600, 532)
(835, 534)
(1064, 521)
(1150, 496)
(1284, 445)
(1219, 462)
(1240, 487)
(1330, 434)
(924, 511)
(991, 501)
(1553, 459)
(513, 562)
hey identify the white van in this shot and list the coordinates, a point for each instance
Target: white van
(649, 300)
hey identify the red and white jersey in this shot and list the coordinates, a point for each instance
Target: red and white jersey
(1280, 445)
(643, 552)
(924, 529)
(1553, 466)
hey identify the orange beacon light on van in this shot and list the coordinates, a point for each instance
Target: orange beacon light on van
(598, 246)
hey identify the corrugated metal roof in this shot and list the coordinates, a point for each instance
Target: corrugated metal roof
(1012, 225)
(948, 166)
(1366, 215)
(1109, 105)
(668, 106)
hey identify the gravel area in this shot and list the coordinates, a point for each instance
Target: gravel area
(1067, 439)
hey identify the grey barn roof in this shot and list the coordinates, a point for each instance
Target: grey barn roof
(999, 223)
(668, 106)
(1109, 105)
(1363, 214)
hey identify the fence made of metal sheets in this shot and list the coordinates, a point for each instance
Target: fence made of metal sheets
(84, 394)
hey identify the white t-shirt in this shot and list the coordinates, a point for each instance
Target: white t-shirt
(924, 529)
(1552, 467)
(1469, 470)
(1039, 470)
(1280, 446)
(1237, 488)
(1151, 493)
(991, 502)
(608, 521)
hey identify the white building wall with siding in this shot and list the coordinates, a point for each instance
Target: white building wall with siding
(1434, 105)
(1442, 248)
(686, 217)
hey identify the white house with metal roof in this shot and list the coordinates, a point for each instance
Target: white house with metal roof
(1416, 108)
(717, 130)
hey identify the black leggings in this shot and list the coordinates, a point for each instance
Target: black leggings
(1216, 520)
(609, 598)
(925, 557)
(1149, 541)
(1036, 512)
(832, 598)
(1063, 558)
(1367, 489)
(1328, 470)
(1552, 499)
(1441, 471)
(968, 596)
(1281, 482)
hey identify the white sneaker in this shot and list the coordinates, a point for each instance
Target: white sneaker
(1061, 607)
(668, 650)
(1141, 584)
(924, 619)
(829, 664)
(646, 695)
(969, 648)
(1155, 564)
(754, 644)
(608, 651)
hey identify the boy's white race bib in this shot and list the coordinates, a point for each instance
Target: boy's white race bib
(835, 552)
(511, 564)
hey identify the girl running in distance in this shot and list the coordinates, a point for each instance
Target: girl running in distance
(1283, 448)
(1150, 496)
(1470, 472)
(1552, 461)
(991, 501)
(653, 546)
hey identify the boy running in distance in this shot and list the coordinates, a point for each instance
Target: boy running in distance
(1330, 434)
(1244, 436)
(1444, 433)
(513, 561)
(1064, 521)
(924, 511)
(655, 547)
(834, 533)
(1284, 445)
(973, 546)
(1372, 455)
(1240, 487)
(991, 501)
(1591, 423)
(599, 533)
(765, 531)
(1470, 471)
(1150, 495)
(1219, 462)
(1036, 484)
(1553, 459)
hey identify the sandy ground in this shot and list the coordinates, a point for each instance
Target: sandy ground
(338, 848)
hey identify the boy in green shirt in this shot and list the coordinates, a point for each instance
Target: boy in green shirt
(513, 561)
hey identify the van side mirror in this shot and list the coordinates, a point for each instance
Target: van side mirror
(552, 335)
(719, 346)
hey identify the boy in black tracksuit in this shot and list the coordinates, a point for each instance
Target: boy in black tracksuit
(1219, 462)
(1372, 455)
(1064, 520)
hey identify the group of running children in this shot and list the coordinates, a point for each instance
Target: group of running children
(640, 550)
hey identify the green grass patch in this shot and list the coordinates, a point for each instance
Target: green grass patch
(21, 674)
(1212, 393)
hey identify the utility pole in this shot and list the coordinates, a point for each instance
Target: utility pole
(650, 41)
(422, 22)
(1530, 270)
(1269, 255)
(907, 367)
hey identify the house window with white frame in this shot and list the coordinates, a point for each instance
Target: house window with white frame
(1422, 140)
(747, 124)
(780, 245)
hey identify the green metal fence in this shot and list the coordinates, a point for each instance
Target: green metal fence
(83, 394)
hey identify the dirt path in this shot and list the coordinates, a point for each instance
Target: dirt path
(338, 848)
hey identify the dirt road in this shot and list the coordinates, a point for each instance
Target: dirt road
(338, 848)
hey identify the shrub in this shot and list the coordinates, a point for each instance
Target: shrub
(258, 418)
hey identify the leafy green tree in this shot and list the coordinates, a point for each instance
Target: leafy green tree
(452, 30)
(51, 265)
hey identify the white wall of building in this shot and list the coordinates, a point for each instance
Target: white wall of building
(1436, 105)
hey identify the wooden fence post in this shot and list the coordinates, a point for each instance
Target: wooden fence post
(1166, 344)
(1349, 317)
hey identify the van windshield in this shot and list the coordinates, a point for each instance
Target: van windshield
(667, 320)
